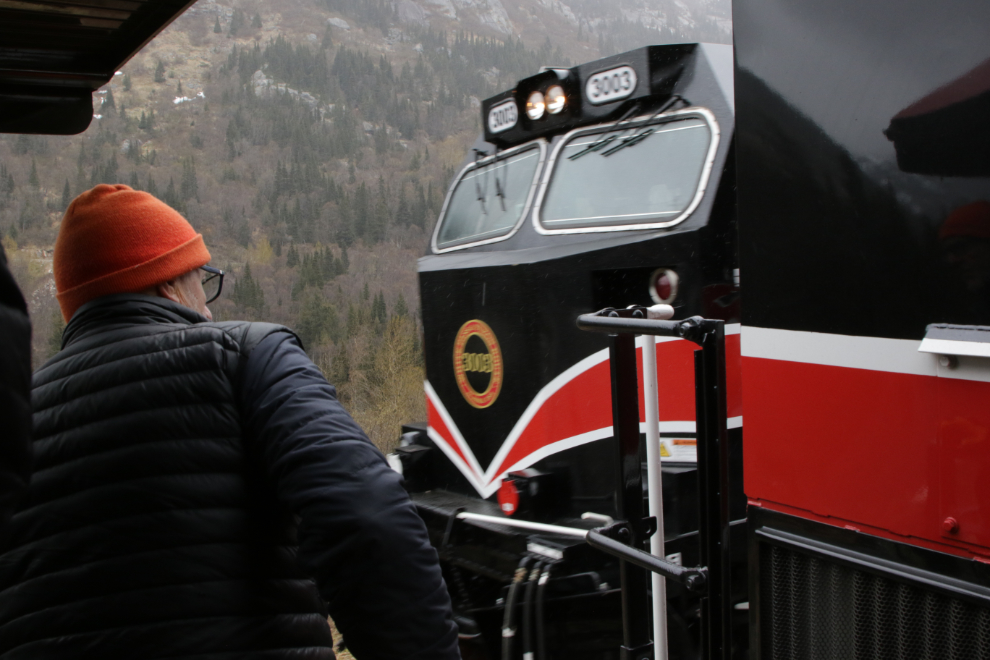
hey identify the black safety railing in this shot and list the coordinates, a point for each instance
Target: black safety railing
(626, 538)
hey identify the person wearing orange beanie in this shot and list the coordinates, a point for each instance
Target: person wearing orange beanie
(114, 239)
(198, 490)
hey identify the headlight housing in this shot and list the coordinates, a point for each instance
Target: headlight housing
(555, 99)
(536, 106)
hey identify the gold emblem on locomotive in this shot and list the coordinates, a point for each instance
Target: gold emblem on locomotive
(478, 366)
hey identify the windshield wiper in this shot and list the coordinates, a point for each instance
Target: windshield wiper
(628, 140)
(500, 189)
(633, 140)
(605, 141)
(481, 195)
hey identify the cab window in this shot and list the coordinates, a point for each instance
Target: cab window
(645, 173)
(490, 198)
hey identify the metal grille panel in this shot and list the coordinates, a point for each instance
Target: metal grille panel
(817, 610)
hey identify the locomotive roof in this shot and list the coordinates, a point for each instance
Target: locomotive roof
(53, 55)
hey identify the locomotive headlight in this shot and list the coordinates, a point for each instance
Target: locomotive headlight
(535, 106)
(556, 99)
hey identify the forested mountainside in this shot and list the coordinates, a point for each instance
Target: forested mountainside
(312, 142)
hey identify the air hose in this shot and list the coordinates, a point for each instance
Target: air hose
(508, 621)
(527, 621)
(541, 639)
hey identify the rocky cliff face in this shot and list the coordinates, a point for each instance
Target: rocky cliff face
(517, 17)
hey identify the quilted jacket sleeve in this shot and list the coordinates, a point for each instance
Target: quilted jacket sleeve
(15, 387)
(360, 537)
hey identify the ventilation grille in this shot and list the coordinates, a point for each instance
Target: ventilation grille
(817, 610)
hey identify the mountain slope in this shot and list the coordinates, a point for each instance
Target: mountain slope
(311, 143)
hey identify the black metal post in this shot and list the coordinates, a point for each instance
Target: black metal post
(629, 496)
(713, 488)
(713, 460)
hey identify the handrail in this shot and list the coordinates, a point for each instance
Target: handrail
(525, 524)
(695, 579)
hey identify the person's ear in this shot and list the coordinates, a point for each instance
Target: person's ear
(169, 290)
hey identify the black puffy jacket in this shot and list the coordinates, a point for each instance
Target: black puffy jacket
(15, 402)
(198, 492)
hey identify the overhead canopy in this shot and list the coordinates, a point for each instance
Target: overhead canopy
(946, 133)
(55, 53)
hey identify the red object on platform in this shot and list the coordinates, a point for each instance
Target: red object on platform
(508, 497)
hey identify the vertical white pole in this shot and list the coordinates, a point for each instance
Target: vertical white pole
(652, 414)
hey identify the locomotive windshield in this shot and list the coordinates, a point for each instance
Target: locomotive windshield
(644, 174)
(490, 198)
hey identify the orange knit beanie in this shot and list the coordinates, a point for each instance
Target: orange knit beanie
(115, 239)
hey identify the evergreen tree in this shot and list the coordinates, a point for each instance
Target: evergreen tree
(160, 72)
(80, 171)
(256, 21)
(243, 233)
(127, 83)
(362, 211)
(403, 214)
(171, 197)
(134, 182)
(66, 196)
(109, 105)
(33, 177)
(365, 294)
(379, 217)
(345, 225)
(317, 320)
(189, 186)
(6, 183)
(236, 22)
(344, 259)
(216, 26)
(379, 313)
(400, 309)
(353, 320)
(419, 207)
(340, 367)
(110, 173)
(178, 89)
(152, 187)
(248, 292)
(292, 257)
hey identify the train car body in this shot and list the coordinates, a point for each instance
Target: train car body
(863, 169)
(625, 196)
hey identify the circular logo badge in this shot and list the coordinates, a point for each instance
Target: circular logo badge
(478, 365)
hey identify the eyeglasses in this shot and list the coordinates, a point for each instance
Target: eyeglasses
(212, 282)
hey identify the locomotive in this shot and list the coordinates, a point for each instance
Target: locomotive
(857, 170)
(608, 184)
